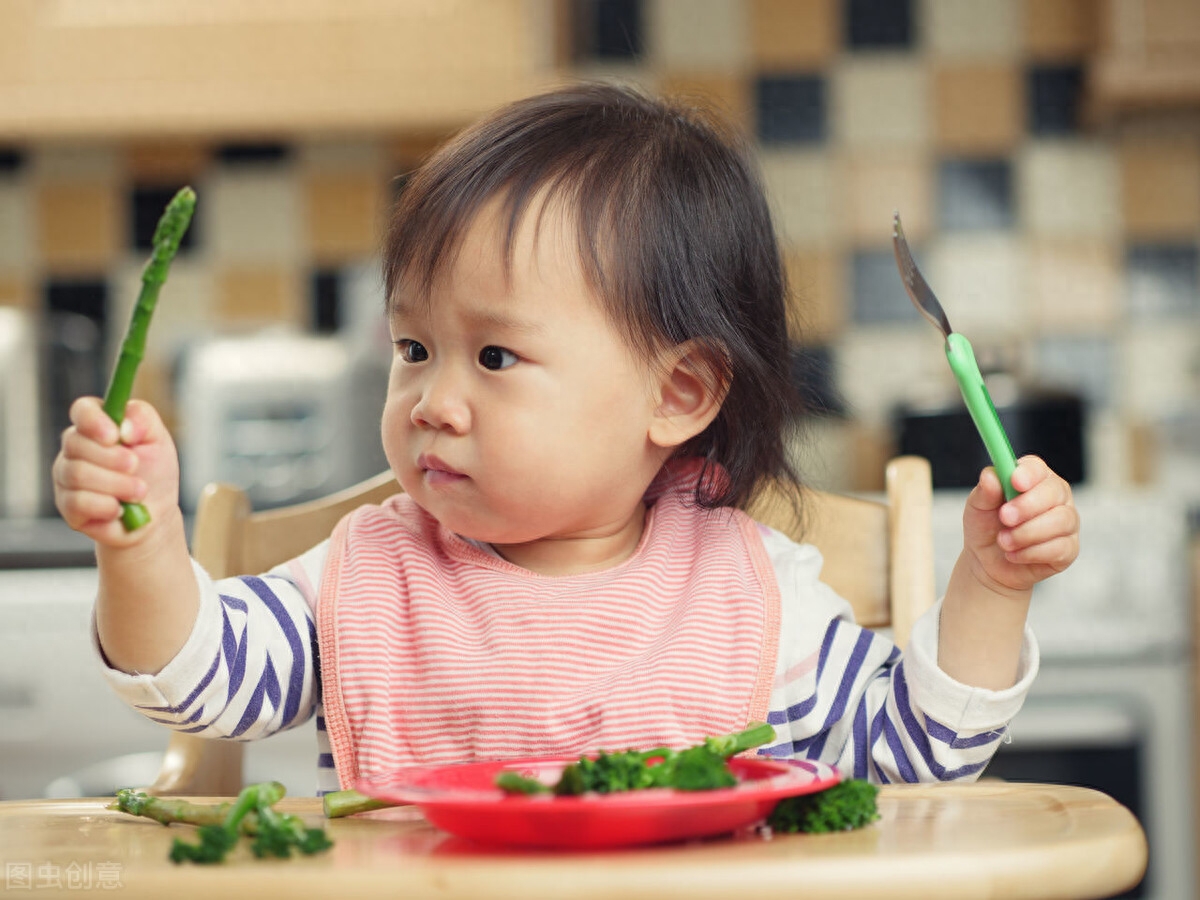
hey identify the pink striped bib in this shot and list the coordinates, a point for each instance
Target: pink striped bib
(433, 650)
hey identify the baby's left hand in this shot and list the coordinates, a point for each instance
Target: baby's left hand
(1015, 544)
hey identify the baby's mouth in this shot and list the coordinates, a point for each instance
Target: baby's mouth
(436, 471)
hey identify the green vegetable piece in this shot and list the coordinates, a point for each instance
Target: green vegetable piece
(221, 824)
(515, 783)
(349, 802)
(847, 805)
(171, 227)
(699, 768)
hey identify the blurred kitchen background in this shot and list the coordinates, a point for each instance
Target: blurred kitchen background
(1044, 155)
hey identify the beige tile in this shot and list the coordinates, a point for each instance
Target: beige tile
(973, 30)
(1068, 189)
(793, 34)
(880, 101)
(407, 151)
(259, 296)
(875, 185)
(16, 227)
(697, 35)
(340, 155)
(1156, 376)
(728, 95)
(978, 108)
(14, 291)
(80, 226)
(817, 294)
(1074, 286)
(1060, 30)
(253, 217)
(166, 161)
(344, 212)
(981, 280)
(802, 195)
(1160, 187)
(84, 161)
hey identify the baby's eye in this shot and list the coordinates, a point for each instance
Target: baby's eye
(493, 357)
(411, 351)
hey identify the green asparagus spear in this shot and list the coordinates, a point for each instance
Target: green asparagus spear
(252, 813)
(167, 235)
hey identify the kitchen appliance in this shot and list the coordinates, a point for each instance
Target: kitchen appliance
(1111, 707)
(286, 417)
(20, 438)
(1049, 423)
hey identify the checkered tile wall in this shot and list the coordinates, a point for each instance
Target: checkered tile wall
(1067, 251)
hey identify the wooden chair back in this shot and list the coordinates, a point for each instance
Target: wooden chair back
(878, 556)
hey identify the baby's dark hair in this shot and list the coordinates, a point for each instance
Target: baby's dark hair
(675, 238)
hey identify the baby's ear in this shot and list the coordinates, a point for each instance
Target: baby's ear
(691, 384)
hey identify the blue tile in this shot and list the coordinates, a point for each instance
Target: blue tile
(1163, 280)
(975, 194)
(1054, 96)
(1083, 365)
(147, 203)
(874, 24)
(606, 29)
(11, 159)
(252, 153)
(326, 297)
(790, 109)
(813, 374)
(877, 292)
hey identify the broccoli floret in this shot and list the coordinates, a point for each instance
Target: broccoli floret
(699, 768)
(848, 804)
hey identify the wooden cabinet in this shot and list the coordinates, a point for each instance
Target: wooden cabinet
(1149, 57)
(73, 68)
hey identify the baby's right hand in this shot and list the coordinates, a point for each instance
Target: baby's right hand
(98, 467)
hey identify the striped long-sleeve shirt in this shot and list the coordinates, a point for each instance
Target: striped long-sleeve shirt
(842, 694)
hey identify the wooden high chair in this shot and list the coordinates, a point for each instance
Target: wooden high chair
(878, 556)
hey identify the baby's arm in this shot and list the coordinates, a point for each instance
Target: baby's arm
(1008, 547)
(148, 598)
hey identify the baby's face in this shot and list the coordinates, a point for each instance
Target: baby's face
(516, 412)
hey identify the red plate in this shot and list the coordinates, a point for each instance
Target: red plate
(462, 799)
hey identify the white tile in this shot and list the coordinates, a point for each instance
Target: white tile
(878, 368)
(1157, 371)
(16, 226)
(1068, 189)
(800, 189)
(252, 216)
(981, 281)
(184, 312)
(694, 35)
(974, 30)
(880, 100)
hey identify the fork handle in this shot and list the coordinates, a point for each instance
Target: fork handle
(982, 410)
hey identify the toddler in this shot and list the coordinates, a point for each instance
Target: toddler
(590, 379)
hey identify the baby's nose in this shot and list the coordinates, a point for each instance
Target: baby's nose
(442, 405)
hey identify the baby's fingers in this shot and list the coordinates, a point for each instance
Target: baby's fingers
(1057, 553)
(84, 476)
(1042, 489)
(1058, 522)
(90, 420)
